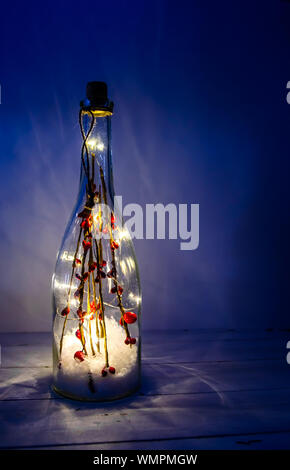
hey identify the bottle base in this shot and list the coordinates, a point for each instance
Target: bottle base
(96, 399)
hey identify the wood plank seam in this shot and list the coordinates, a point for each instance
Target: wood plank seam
(201, 436)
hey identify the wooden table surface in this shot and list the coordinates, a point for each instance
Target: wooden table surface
(203, 389)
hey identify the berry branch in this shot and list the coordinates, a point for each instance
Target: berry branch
(90, 261)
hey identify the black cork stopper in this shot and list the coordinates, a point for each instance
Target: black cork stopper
(97, 93)
(97, 98)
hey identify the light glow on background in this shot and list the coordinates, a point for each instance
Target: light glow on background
(195, 89)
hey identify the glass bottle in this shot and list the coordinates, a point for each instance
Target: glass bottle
(96, 287)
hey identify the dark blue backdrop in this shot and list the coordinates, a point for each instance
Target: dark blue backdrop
(201, 117)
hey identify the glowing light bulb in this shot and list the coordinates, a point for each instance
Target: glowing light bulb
(74, 302)
(135, 298)
(100, 146)
(66, 256)
(94, 144)
(123, 234)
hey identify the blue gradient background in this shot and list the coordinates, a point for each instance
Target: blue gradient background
(201, 117)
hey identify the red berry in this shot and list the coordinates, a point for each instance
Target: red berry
(104, 263)
(114, 245)
(78, 334)
(104, 373)
(81, 313)
(113, 290)
(65, 311)
(127, 341)
(120, 290)
(92, 266)
(79, 356)
(85, 276)
(78, 261)
(86, 224)
(112, 370)
(130, 317)
(111, 273)
(86, 245)
(133, 340)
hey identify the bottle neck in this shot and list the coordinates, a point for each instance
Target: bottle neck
(96, 164)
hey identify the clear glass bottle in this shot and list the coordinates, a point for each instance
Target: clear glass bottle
(96, 287)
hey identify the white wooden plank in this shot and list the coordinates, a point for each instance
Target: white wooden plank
(152, 337)
(16, 339)
(61, 422)
(186, 349)
(29, 350)
(279, 441)
(215, 377)
(34, 383)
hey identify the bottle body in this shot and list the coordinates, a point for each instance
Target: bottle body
(96, 287)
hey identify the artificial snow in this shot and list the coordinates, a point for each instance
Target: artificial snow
(73, 377)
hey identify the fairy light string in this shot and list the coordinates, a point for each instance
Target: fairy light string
(91, 262)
